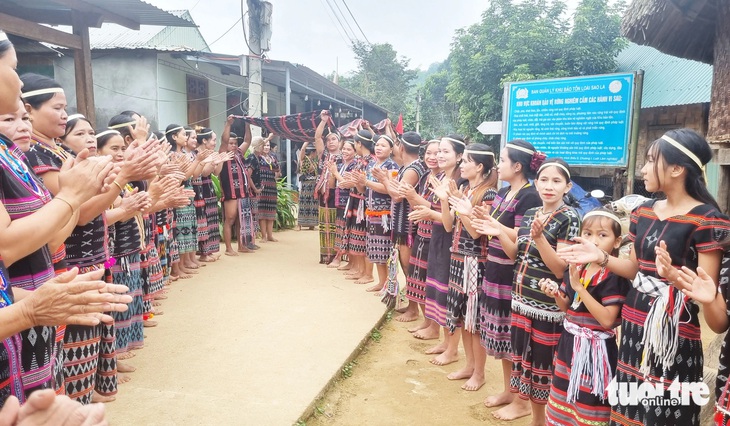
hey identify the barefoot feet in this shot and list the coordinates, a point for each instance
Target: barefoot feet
(462, 374)
(474, 383)
(516, 409)
(123, 367)
(444, 358)
(503, 398)
(97, 397)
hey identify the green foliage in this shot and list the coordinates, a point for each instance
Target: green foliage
(382, 76)
(285, 206)
(347, 369)
(376, 335)
(527, 40)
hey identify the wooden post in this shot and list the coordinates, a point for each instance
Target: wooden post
(82, 68)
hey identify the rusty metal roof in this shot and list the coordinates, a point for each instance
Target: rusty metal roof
(668, 80)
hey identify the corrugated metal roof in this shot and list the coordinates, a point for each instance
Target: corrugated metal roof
(166, 39)
(668, 80)
(135, 10)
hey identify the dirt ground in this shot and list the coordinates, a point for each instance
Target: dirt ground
(393, 383)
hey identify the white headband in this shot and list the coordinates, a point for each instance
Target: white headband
(108, 132)
(453, 140)
(684, 150)
(75, 117)
(403, 141)
(206, 133)
(3, 36)
(120, 125)
(175, 130)
(41, 92)
(473, 152)
(603, 214)
(552, 163)
(519, 148)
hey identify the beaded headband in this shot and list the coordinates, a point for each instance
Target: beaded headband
(519, 148)
(122, 125)
(552, 163)
(108, 132)
(41, 92)
(452, 140)
(473, 152)
(602, 214)
(75, 117)
(405, 142)
(695, 159)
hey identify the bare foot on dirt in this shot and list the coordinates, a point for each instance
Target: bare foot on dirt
(190, 266)
(244, 249)
(374, 288)
(428, 334)
(123, 367)
(444, 359)
(345, 267)
(462, 374)
(126, 355)
(185, 276)
(503, 398)
(516, 409)
(364, 280)
(231, 253)
(158, 312)
(156, 304)
(422, 326)
(407, 317)
(206, 259)
(149, 323)
(273, 240)
(97, 397)
(473, 384)
(334, 264)
(123, 378)
(174, 278)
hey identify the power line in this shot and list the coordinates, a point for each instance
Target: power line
(335, 25)
(344, 19)
(356, 23)
(227, 31)
(339, 21)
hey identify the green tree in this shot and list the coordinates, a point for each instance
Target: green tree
(382, 77)
(438, 114)
(527, 40)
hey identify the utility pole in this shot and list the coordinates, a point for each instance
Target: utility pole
(256, 22)
(418, 113)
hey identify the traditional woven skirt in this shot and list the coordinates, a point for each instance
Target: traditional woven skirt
(90, 360)
(327, 233)
(687, 368)
(152, 275)
(417, 268)
(342, 233)
(213, 243)
(11, 383)
(456, 299)
(247, 234)
(267, 200)
(128, 325)
(533, 346)
(308, 205)
(357, 243)
(186, 229)
(587, 409)
(255, 212)
(379, 244)
(495, 311)
(437, 274)
(200, 214)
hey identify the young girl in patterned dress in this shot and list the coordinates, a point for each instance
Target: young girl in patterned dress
(518, 162)
(308, 215)
(209, 250)
(660, 330)
(418, 263)
(342, 174)
(585, 360)
(536, 318)
(469, 258)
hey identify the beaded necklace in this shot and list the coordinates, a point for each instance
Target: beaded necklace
(19, 169)
(523, 264)
(586, 281)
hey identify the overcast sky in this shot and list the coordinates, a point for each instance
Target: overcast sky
(306, 31)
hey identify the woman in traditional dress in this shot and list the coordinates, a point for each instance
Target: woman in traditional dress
(518, 162)
(469, 258)
(308, 206)
(537, 321)
(237, 192)
(199, 200)
(209, 250)
(269, 169)
(411, 172)
(660, 331)
(417, 264)
(451, 150)
(328, 151)
(362, 271)
(342, 198)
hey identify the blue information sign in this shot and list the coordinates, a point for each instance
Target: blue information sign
(584, 120)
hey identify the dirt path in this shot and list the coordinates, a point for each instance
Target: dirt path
(252, 340)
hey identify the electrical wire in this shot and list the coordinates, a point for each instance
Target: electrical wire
(227, 31)
(344, 18)
(356, 23)
(336, 26)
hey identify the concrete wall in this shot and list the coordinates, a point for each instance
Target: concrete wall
(122, 81)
